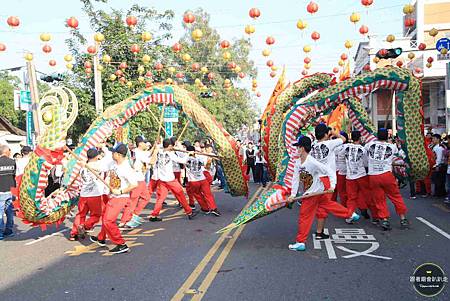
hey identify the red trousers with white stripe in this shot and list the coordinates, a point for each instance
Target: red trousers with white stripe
(359, 195)
(138, 195)
(385, 185)
(109, 217)
(163, 189)
(341, 190)
(202, 193)
(91, 205)
(310, 206)
(143, 202)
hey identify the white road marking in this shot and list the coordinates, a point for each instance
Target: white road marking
(438, 230)
(45, 237)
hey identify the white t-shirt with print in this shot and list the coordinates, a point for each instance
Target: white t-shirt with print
(341, 166)
(324, 152)
(308, 174)
(90, 185)
(380, 155)
(164, 165)
(21, 163)
(121, 176)
(141, 163)
(355, 160)
(195, 166)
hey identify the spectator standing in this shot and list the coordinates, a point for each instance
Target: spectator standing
(7, 181)
(439, 169)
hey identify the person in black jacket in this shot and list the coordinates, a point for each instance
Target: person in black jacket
(7, 181)
(250, 156)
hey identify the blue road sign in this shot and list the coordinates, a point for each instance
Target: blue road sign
(443, 43)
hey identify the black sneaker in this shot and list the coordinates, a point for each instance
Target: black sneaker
(119, 249)
(192, 215)
(322, 236)
(101, 243)
(73, 237)
(155, 219)
(192, 207)
(215, 212)
(385, 225)
(365, 214)
(375, 221)
(404, 223)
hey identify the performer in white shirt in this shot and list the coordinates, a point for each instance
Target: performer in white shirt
(140, 196)
(357, 181)
(91, 197)
(166, 181)
(316, 178)
(21, 163)
(381, 180)
(123, 180)
(324, 152)
(341, 171)
(198, 183)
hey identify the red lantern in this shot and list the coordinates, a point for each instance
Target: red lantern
(122, 80)
(135, 48)
(92, 49)
(2, 47)
(366, 67)
(123, 66)
(269, 63)
(366, 3)
(231, 65)
(363, 29)
(118, 73)
(241, 74)
(254, 13)
(179, 75)
(315, 36)
(273, 74)
(270, 41)
(88, 70)
(52, 63)
(87, 64)
(258, 94)
(72, 22)
(46, 48)
(422, 46)
(304, 72)
(383, 52)
(307, 60)
(312, 7)
(195, 67)
(13, 21)
(176, 47)
(211, 76)
(158, 67)
(430, 60)
(410, 22)
(148, 74)
(399, 64)
(131, 21)
(418, 70)
(344, 57)
(225, 44)
(188, 18)
(335, 70)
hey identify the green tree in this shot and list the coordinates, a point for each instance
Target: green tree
(8, 84)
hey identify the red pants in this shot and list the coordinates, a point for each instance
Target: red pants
(340, 190)
(190, 194)
(208, 176)
(144, 201)
(138, 195)
(91, 205)
(177, 175)
(426, 182)
(385, 185)
(359, 195)
(109, 217)
(163, 189)
(308, 210)
(202, 192)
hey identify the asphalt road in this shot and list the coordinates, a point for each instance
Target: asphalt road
(180, 259)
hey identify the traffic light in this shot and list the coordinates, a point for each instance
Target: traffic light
(389, 53)
(52, 77)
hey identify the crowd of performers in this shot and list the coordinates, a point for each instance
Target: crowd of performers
(133, 178)
(337, 166)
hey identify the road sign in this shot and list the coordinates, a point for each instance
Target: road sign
(16, 99)
(170, 114)
(169, 129)
(443, 43)
(25, 100)
(443, 57)
(30, 128)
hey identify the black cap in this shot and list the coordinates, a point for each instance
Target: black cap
(303, 141)
(120, 149)
(166, 143)
(356, 135)
(186, 143)
(139, 139)
(26, 150)
(382, 134)
(190, 148)
(321, 129)
(92, 153)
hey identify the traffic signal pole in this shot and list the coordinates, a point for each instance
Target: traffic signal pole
(34, 96)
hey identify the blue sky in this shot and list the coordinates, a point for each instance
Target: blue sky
(278, 19)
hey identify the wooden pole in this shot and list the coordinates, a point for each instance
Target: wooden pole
(154, 150)
(312, 194)
(34, 92)
(198, 153)
(160, 121)
(184, 129)
(87, 166)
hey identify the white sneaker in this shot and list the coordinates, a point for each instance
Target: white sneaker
(298, 246)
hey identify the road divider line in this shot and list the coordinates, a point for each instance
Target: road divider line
(45, 237)
(185, 288)
(435, 228)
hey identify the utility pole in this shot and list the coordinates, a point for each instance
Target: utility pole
(32, 81)
(447, 96)
(98, 84)
(394, 114)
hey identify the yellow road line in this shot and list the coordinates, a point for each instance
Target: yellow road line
(186, 287)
